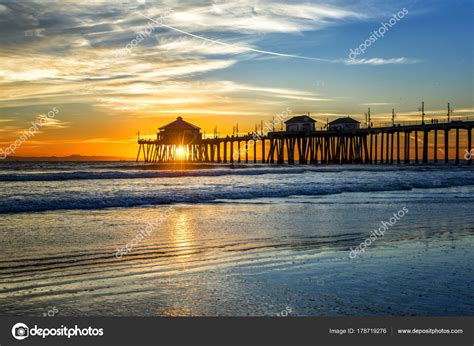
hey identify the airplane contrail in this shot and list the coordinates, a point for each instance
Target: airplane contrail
(234, 46)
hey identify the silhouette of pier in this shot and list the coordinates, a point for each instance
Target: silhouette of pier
(386, 144)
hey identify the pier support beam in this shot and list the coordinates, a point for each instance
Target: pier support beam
(416, 147)
(366, 148)
(407, 156)
(254, 151)
(212, 151)
(139, 149)
(246, 151)
(425, 146)
(219, 160)
(457, 146)
(398, 147)
(371, 147)
(281, 151)
(446, 146)
(225, 151)
(375, 158)
(391, 148)
(238, 151)
(381, 148)
(290, 146)
(312, 151)
(271, 152)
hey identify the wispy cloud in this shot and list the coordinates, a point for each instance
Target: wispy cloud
(211, 97)
(377, 104)
(240, 48)
(185, 45)
(275, 92)
(51, 122)
(258, 16)
(107, 141)
(381, 61)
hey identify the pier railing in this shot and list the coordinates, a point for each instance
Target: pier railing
(427, 121)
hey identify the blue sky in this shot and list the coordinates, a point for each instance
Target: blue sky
(204, 61)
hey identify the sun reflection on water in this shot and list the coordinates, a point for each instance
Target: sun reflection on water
(182, 231)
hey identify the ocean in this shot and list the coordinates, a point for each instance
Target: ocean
(113, 239)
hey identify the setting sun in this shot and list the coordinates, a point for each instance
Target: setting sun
(180, 152)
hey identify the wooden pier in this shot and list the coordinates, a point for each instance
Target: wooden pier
(372, 145)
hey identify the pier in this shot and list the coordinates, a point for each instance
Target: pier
(408, 142)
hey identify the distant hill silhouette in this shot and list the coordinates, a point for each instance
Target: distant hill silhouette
(67, 158)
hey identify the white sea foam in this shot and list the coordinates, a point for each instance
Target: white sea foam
(39, 190)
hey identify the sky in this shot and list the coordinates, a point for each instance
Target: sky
(113, 68)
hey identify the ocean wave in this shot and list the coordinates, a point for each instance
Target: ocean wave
(101, 172)
(223, 193)
(96, 175)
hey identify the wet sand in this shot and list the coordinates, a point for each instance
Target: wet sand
(242, 258)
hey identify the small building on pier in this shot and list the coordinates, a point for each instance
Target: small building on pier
(344, 124)
(302, 123)
(179, 132)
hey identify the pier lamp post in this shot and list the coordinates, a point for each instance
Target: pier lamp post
(423, 112)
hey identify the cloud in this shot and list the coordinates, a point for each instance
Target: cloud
(108, 141)
(254, 16)
(381, 61)
(231, 46)
(235, 48)
(212, 97)
(275, 92)
(27, 73)
(74, 61)
(184, 45)
(205, 111)
(51, 122)
(377, 104)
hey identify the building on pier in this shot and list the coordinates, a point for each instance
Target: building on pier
(344, 124)
(179, 132)
(302, 123)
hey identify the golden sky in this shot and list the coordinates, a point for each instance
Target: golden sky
(111, 71)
